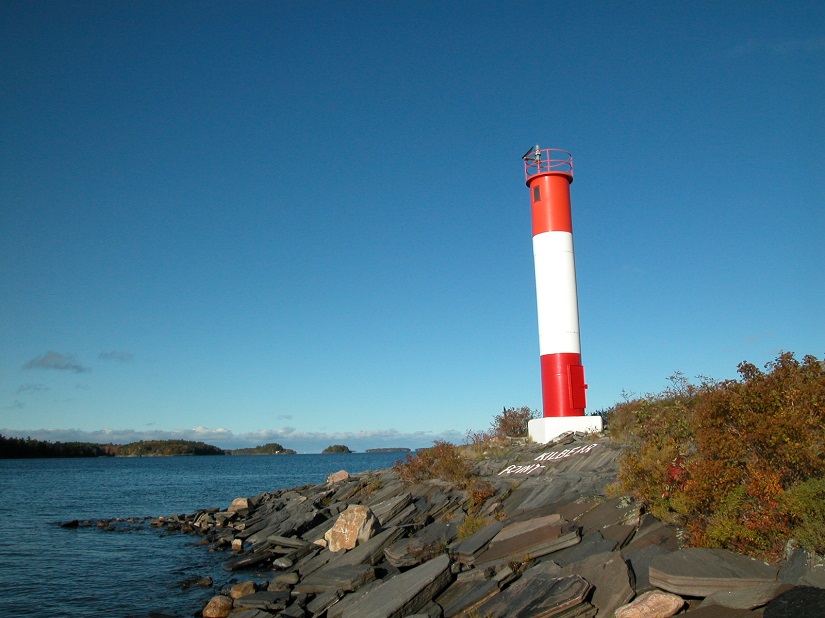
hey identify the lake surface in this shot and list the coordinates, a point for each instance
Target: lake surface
(46, 570)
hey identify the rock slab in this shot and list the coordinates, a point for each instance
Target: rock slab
(405, 593)
(699, 571)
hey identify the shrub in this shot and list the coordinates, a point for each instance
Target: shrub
(805, 503)
(512, 422)
(445, 461)
(470, 525)
(736, 462)
(441, 461)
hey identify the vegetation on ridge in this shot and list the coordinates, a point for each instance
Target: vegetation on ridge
(453, 464)
(20, 448)
(739, 464)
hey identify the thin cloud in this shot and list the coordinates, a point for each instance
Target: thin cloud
(116, 355)
(289, 437)
(57, 361)
(32, 388)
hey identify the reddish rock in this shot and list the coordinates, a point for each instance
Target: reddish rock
(653, 604)
(335, 477)
(218, 607)
(238, 504)
(243, 589)
(355, 525)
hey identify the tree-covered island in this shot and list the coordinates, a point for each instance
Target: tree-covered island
(165, 448)
(272, 448)
(337, 448)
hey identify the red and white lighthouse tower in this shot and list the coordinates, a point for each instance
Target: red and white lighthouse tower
(549, 173)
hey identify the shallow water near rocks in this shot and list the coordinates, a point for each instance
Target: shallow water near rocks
(46, 570)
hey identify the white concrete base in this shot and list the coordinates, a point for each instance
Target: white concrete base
(543, 430)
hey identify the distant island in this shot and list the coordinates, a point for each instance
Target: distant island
(337, 448)
(20, 448)
(165, 448)
(394, 449)
(272, 448)
(27, 448)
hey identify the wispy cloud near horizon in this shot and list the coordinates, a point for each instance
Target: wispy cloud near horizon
(289, 437)
(32, 388)
(56, 361)
(117, 355)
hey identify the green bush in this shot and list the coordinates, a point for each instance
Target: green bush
(805, 502)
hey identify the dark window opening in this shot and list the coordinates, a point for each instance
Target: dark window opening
(536, 193)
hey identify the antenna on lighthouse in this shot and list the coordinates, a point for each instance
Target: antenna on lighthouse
(534, 154)
(548, 173)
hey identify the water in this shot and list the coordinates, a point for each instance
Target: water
(46, 570)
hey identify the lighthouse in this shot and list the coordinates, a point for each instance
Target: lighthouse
(548, 173)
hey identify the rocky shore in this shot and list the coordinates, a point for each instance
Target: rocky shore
(546, 542)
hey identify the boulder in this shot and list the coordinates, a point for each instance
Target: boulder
(653, 604)
(242, 589)
(335, 477)
(238, 504)
(355, 525)
(218, 607)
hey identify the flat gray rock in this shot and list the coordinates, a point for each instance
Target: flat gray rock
(531, 542)
(466, 551)
(613, 511)
(541, 596)
(391, 507)
(424, 545)
(251, 613)
(347, 577)
(322, 602)
(464, 596)
(748, 597)
(620, 533)
(651, 531)
(337, 610)
(591, 543)
(265, 600)
(371, 552)
(430, 610)
(609, 574)
(405, 593)
(699, 572)
(640, 560)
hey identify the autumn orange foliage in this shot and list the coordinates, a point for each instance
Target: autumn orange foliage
(738, 463)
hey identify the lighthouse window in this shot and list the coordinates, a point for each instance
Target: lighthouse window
(536, 194)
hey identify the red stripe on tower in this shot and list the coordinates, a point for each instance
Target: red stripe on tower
(549, 173)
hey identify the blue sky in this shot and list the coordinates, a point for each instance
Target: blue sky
(306, 222)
